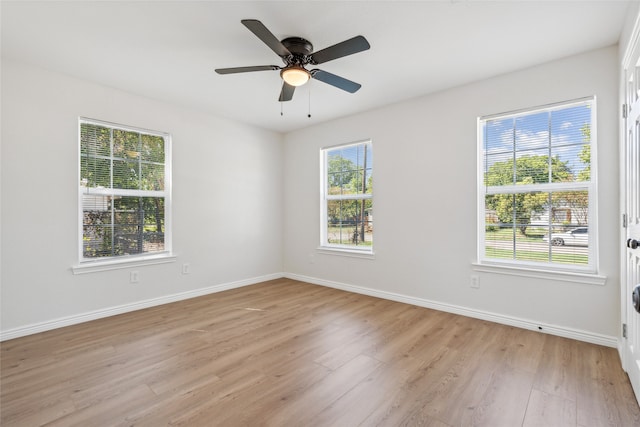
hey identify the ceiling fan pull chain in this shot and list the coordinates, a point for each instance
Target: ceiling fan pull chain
(309, 112)
(281, 108)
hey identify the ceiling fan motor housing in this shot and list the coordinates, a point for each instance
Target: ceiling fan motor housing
(300, 49)
(298, 45)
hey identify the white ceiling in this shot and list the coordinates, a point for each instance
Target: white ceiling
(167, 50)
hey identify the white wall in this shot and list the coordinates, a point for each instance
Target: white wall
(245, 204)
(227, 199)
(625, 35)
(424, 154)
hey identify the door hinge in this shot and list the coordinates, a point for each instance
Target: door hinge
(624, 111)
(624, 220)
(624, 330)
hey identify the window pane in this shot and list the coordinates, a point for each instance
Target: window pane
(152, 177)
(518, 226)
(114, 226)
(568, 234)
(95, 140)
(126, 174)
(96, 220)
(533, 167)
(499, 241)
(95, 150)
(498, 136)
(95, 172)
(532, 132)
(350, 222)
(126, 144)
(346, 169)
(139, 223)
(152, 148)
(97, 241)
(499, 169)
(576, 161)
(571, 125)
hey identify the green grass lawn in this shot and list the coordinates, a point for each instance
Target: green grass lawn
(537, 256)
(533, 234)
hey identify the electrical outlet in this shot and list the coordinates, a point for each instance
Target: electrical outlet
(186, 268)
(475, 282)
(134, 277)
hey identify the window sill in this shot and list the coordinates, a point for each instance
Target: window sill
(115, 264)
(353, 253)
(564, 276)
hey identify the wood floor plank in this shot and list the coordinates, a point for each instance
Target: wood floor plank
(456, 394)
(386, 395)
(524, 349)
(602, 388)
(304, 407)
(504, 403)
(546, 409)
(290, 353)
(275, 395)
(102, 412)
(227, 399)
(182, 405)
(557, 371)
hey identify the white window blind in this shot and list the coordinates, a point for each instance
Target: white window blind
(537, 192)
(124, 197)
(347, 197)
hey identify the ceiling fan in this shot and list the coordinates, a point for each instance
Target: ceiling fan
(297, 53)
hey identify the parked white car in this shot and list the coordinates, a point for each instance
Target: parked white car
(577, 237)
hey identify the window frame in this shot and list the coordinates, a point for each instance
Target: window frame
(88, 264)
(567, 272)
(334, 248)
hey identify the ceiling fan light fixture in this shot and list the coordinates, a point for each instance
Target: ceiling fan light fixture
(295, 76)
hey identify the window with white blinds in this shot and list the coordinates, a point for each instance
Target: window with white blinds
(347, 197)
(537, 187)
(124, 191)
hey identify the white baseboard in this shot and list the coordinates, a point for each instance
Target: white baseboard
(605, 340)
(590, 337)
(125, 308)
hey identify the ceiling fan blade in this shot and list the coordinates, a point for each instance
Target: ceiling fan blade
(347, 47)
(267, 37)
(337, 81)
(286, 94)
(234, 70)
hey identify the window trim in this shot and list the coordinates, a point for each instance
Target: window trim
(526, 268)
(88, 265)
(124, 262)
(338, 249)
(540, 273)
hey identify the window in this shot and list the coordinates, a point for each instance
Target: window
(537, 188)
(124, 191)
(347, 197)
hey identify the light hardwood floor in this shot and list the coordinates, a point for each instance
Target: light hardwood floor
(286, 353)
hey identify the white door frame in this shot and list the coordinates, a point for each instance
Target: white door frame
(633, 44)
